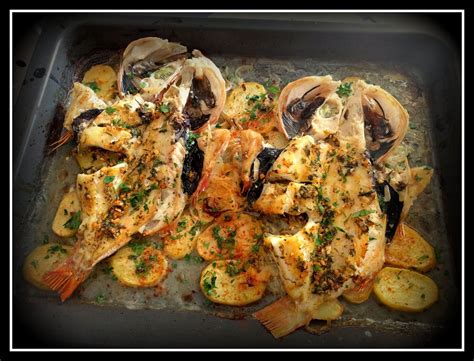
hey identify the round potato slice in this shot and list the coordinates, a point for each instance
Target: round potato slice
(102, 79)
(43, 259)
(138, 265)
(225, 282)
(359, 293)
(405, 290)
(329, 311)
(68, 216)
(182, 239)
(231, 235)
(409, 249)
(248, 107)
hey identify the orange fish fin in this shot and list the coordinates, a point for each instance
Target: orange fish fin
(281, 317)
(64, 280)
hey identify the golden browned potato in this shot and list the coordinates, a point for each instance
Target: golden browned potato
(231, 283)
(231, 235)
(103, 80)
(248, 108)
(43, 259)
(139, 265)
(409, 249)
(405, 290)
(329, 311)
(359, 293)
(68, 216)
(182, 239)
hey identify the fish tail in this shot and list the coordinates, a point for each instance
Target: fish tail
(281, 317)
(65, 279)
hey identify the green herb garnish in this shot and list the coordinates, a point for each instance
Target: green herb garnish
(344, 89)
(209, 284)
(362, 213)
(164, 108)
(110, 110)
(181, 226)
(93, 86)
(109, 179)
(74, 222)
(100, 298)
(232, 270)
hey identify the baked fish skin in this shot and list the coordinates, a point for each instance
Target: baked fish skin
(343, 240)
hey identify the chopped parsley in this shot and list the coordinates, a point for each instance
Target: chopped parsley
(34, 263)
(120, 123)
(194, 259)
(109, 179)
(181, 226)
(109, 270)
(100, 298)
(209, 284)
(137, 248)
(255, 248)
(344, 89)
(74, 222)
(362, 213)
(110, 110)
(164, 108)
(232, 270)
(57, 248)
(422, 258)
(93, 86)
(124, 187)
(142, 267)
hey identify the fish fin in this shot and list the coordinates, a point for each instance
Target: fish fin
(64, 280)
(281, 317)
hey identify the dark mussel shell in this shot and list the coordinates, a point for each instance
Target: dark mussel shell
(83, 119)
(266, 158)
(193, 163)
(393, 208)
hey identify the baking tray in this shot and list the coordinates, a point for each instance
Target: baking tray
(417, 53)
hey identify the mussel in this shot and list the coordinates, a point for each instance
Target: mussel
(310, 105)
(264, 162)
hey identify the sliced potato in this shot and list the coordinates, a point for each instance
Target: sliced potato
(329, 311)
(66, 215)
(405, 290)
(360, 293)
(409, 249)
(243, 104)
(231, 235)
(182, 239)
(103, 80)
(43, 259)
(138, 265)
(227, 283)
